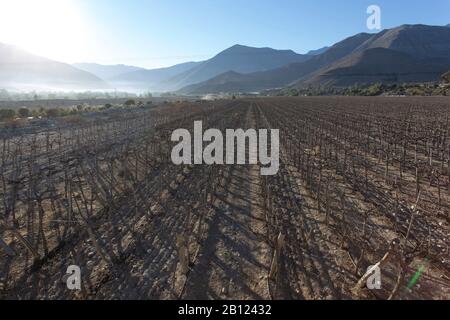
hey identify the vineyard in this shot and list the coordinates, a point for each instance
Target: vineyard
(362, 182)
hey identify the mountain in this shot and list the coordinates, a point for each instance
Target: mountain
(240, 59)
(155, 79)
(280, 77)
(22, 70)
(413, 53)
(106, 71)
(377, 65)
(317, 52)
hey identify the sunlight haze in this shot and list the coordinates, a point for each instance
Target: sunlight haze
(51, 28)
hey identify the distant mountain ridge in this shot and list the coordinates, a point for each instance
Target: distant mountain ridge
(238, 58)
(154, 79)
(22, 70)
(317, 52)
(106, 72)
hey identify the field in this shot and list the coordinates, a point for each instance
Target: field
(361, 181)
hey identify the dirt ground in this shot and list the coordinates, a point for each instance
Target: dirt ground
(128, 216)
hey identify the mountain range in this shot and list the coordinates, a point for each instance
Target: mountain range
(409, 53)
(106, 72)
(238, 58)
(152, 80)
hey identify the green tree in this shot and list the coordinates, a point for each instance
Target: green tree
(446, 77)
(24, 112)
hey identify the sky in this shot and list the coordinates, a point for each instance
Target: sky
(158, 33)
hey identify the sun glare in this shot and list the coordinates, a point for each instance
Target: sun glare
(50, 28)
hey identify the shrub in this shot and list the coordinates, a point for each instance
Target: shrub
(6, 114)
(53, 113)
(374, 90)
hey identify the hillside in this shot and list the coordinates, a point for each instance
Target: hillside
(407, 54)
(419, 41)
(377, 65)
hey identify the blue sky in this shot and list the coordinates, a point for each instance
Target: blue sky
(154, 33)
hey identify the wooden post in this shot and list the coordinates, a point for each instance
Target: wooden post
(183, 254)
(363, 281)
(327, 204)
(24, 241)
(276, 256)
(431, 155)
(417, 181)
(318, 187)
